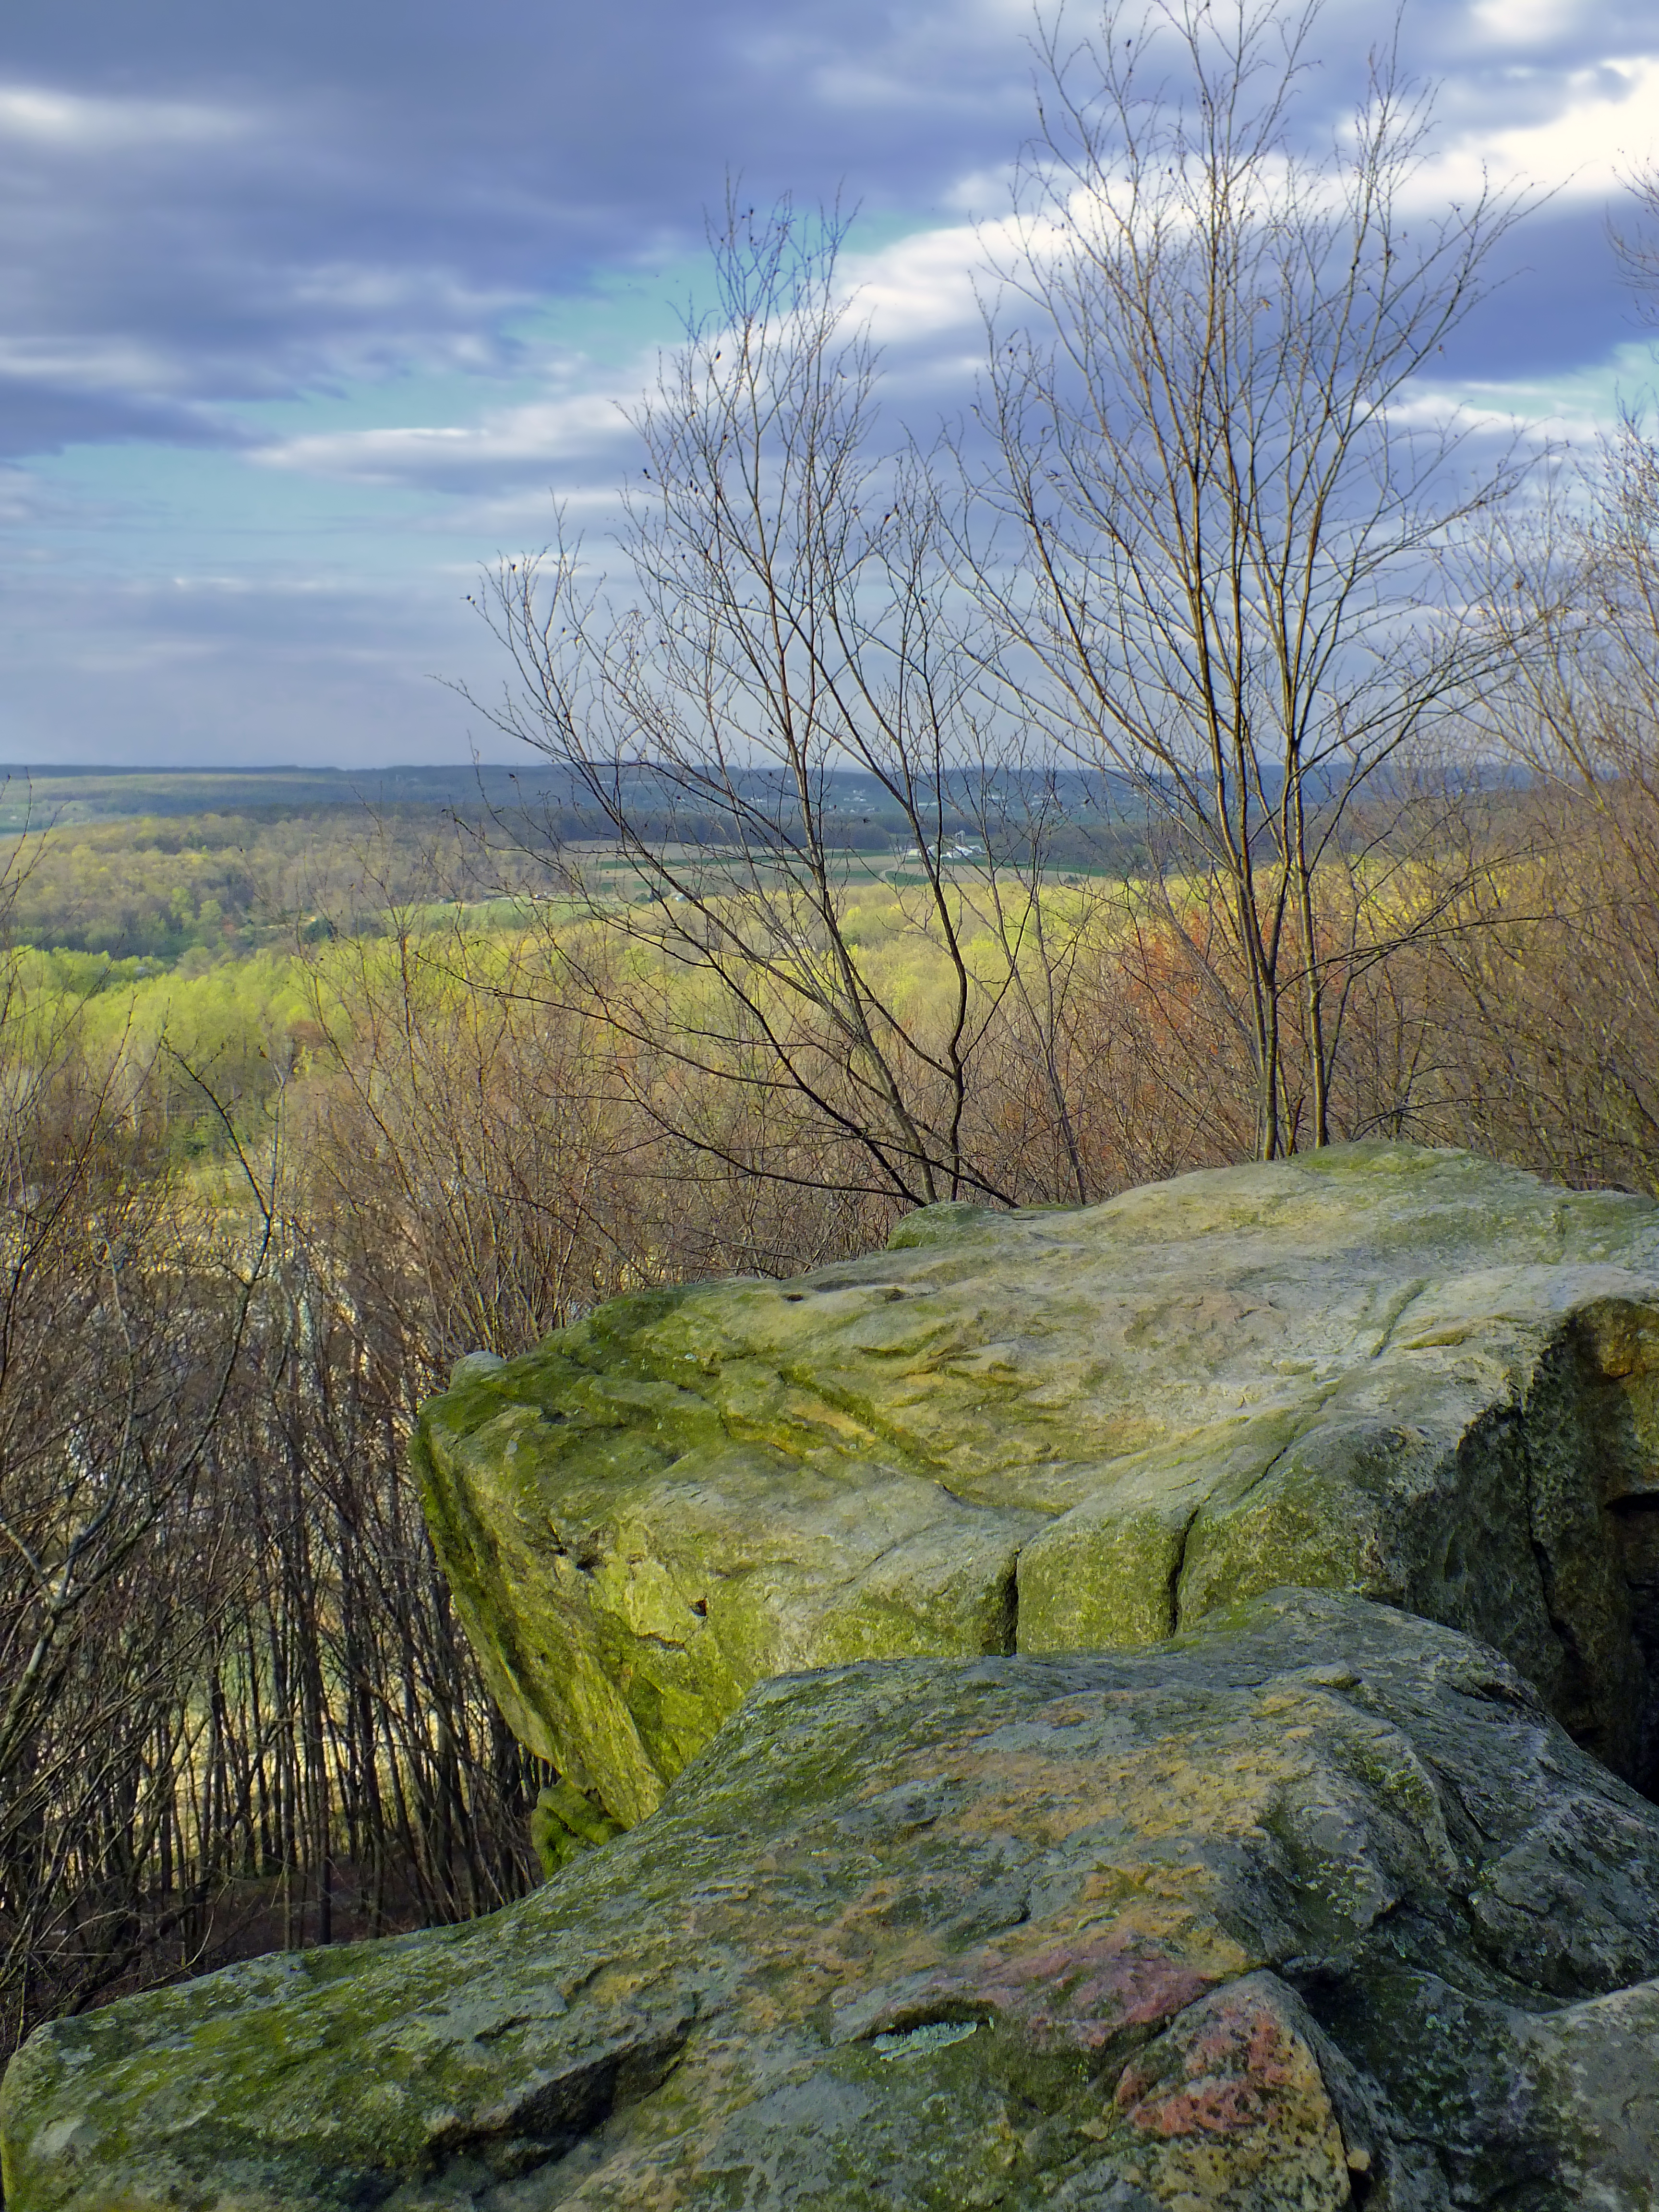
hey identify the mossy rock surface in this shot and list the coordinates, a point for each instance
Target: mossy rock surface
(1410, 1374)
(1315, 1905)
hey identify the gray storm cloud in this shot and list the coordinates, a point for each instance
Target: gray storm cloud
(204, 210)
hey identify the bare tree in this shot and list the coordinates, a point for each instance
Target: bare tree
(1220, 535)
(785, 660)
(1566, 978)
(234, 1708)
(1634, 237)
(122, 1325)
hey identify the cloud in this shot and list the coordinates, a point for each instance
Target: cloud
(361, 212)
(1605, 124)
(202, 207)
(917, 296)
(211, 670)
(163, 259)
(1511, 24)
(920, 287)
(87, 125)
(506, 443)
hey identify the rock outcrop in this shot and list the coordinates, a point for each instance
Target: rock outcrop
(1413, 1375)
(1314, 1907)
(1083, 1873)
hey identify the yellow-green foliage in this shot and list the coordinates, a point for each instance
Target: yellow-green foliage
(245, 1021)
(159, 884)
(238, 1025)
(134, 887)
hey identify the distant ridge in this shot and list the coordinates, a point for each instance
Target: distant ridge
(32, 793)
(661, 803)
(119, 771)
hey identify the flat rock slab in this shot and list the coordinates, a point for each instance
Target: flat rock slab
(1406, 1373)
(1315, 1906)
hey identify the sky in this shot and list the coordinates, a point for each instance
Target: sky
(312, 309)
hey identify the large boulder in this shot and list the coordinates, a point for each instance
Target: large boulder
(1314, 1907)
(1410, 1374)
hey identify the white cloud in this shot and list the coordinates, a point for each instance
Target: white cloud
(1607, 125)
(79, 122)
(1529, 22)
(523, 515)
(919, 59)
(511, 438)
(362, 292)
(919, 285)
(112, 365)
(915, 292)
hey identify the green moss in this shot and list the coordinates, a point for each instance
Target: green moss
(942, 1224)
(564, 1823)
(1126, 1414)
(1113, 1865)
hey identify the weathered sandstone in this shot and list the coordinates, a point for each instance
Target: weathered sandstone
(1314, 1907)
(1096, 1868)
(1414, 1375)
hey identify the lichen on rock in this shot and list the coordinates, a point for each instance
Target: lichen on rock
(1312, 1903)
(1410, 1374)
(985, 1821)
